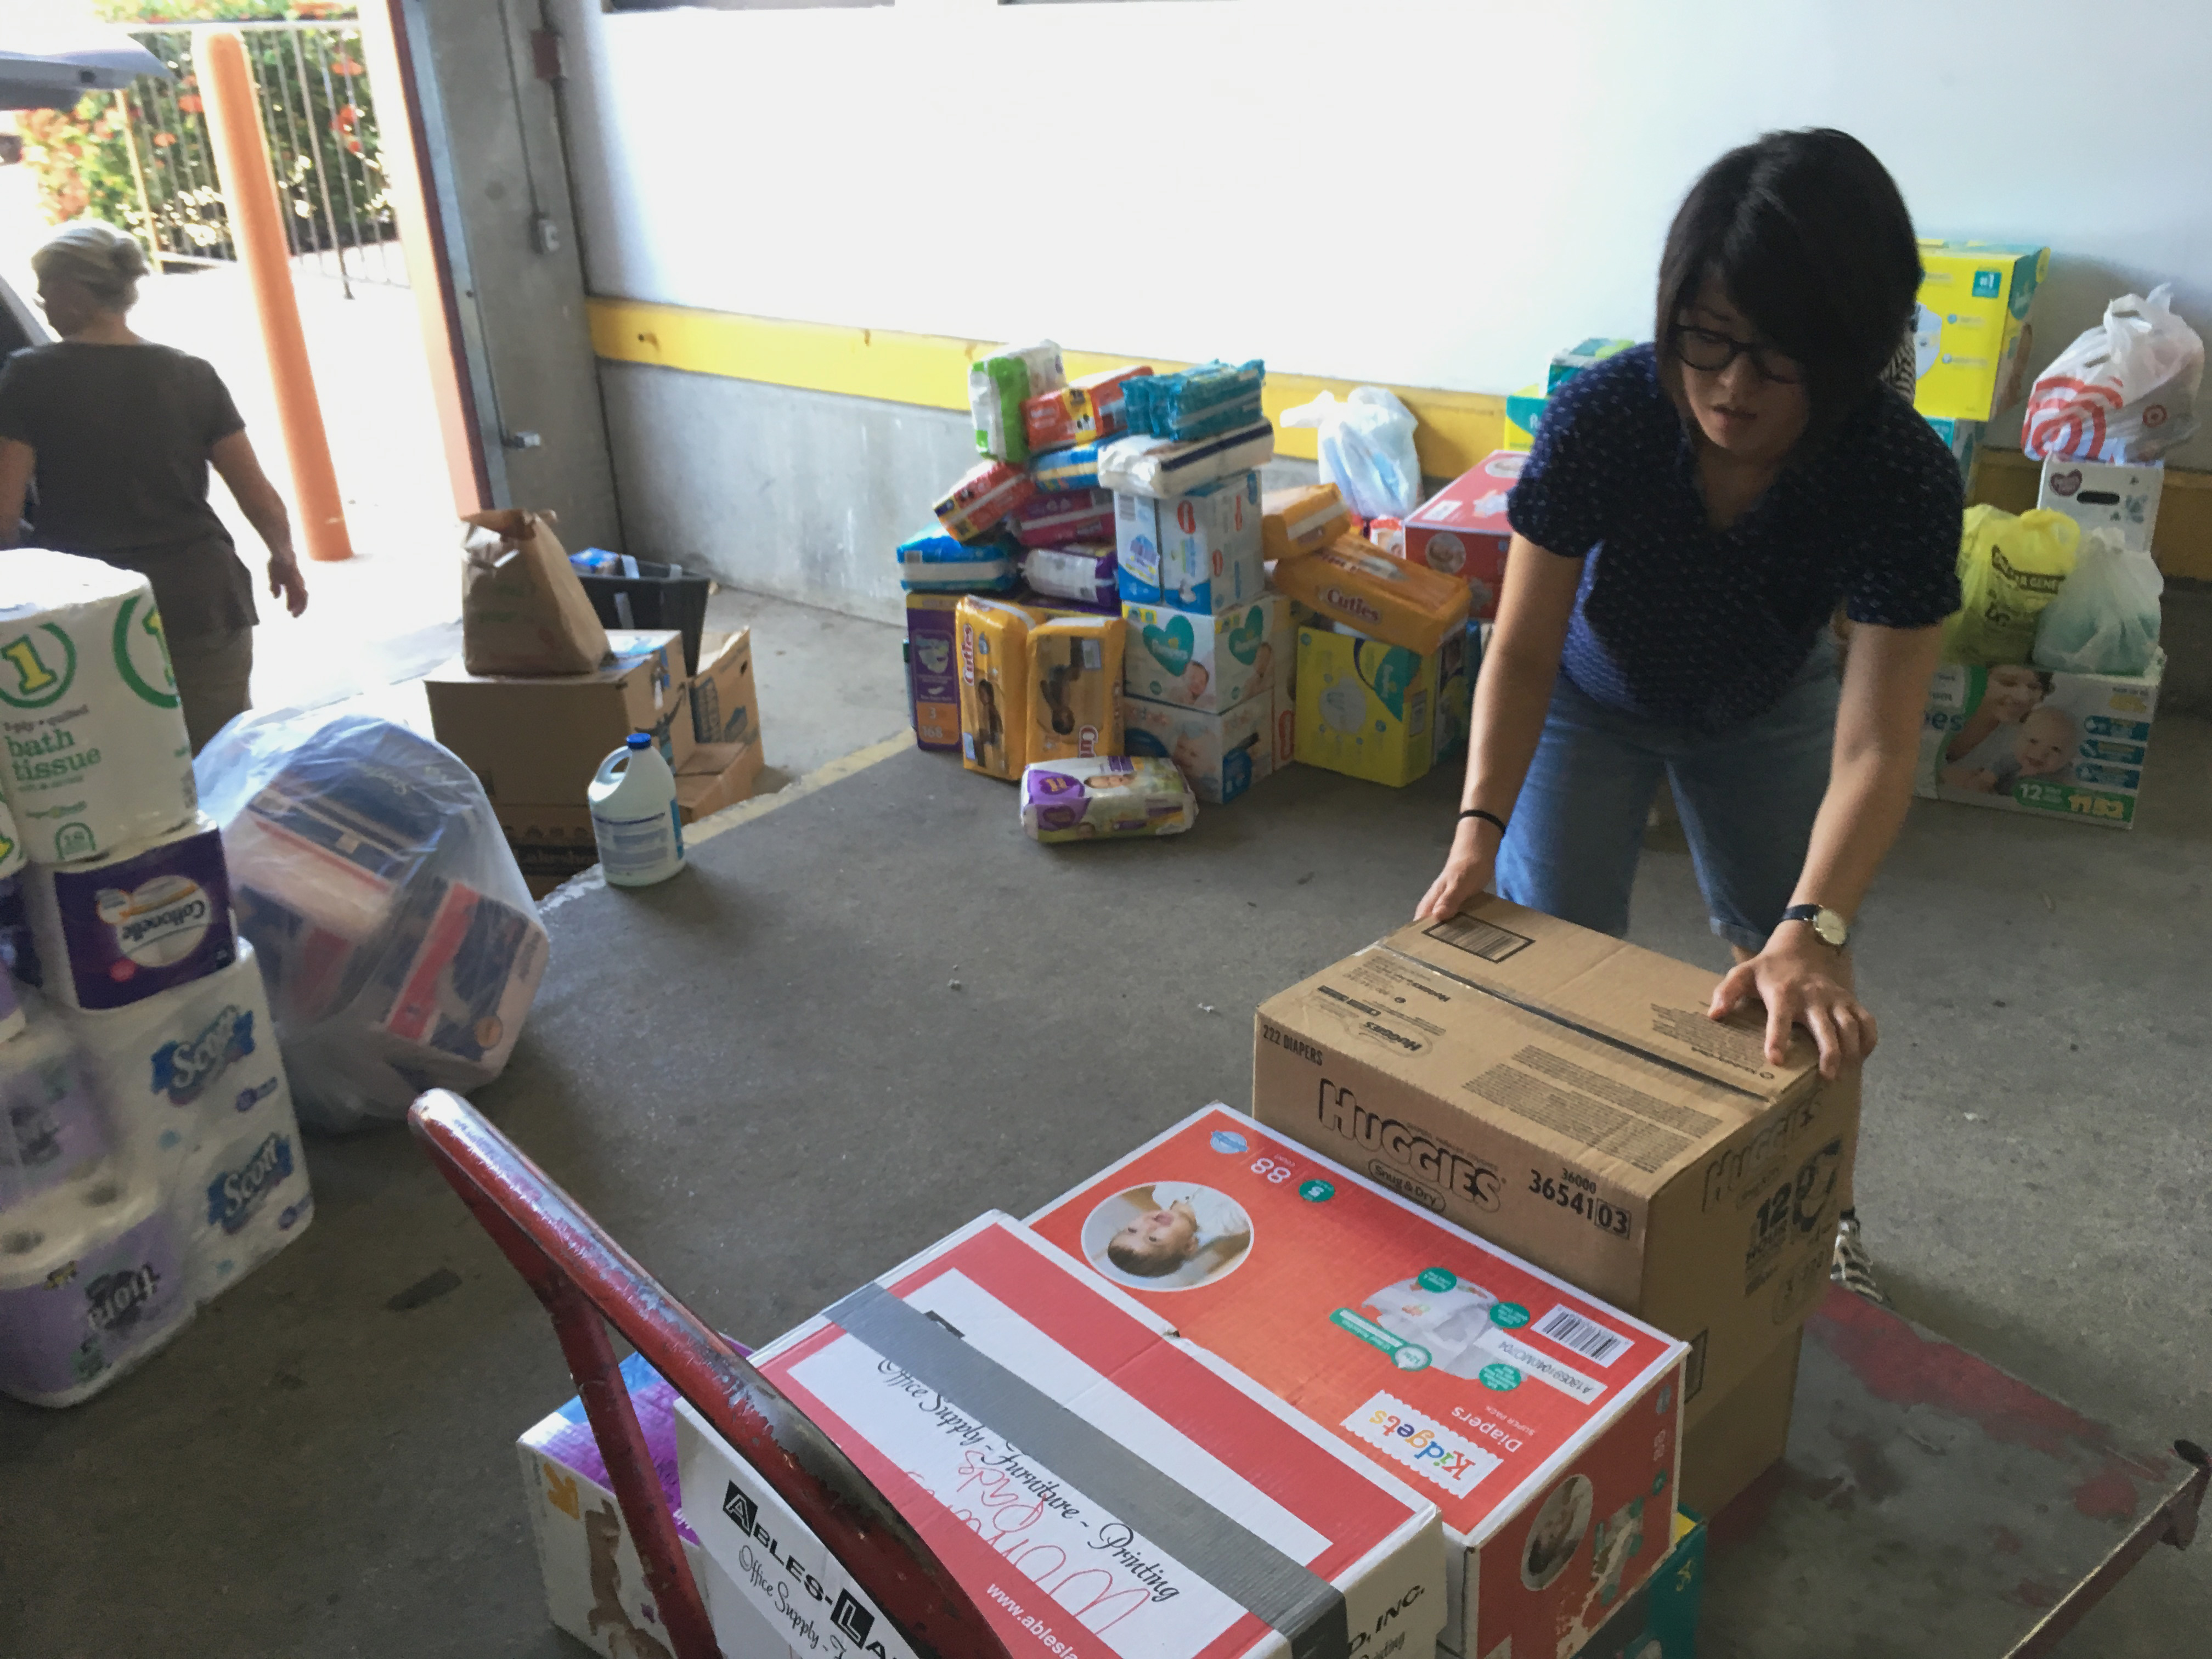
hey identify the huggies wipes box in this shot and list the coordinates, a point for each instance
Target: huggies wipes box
(1563, 1094)
(1101, 1488)
(1544, 1424)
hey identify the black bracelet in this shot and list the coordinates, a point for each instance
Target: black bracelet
(1487, 818)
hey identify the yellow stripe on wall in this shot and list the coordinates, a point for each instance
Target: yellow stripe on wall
(1457, 428)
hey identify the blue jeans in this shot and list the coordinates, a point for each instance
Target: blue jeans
(1748, 798)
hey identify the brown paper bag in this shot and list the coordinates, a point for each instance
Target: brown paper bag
(523, 611)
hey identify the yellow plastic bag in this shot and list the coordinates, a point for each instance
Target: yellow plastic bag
(2009, 567)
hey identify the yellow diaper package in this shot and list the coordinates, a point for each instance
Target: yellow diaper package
(993, 640)
(1366, 708)
(1075, 688)
(1302, 520)
(1355, 582)
(2009, 568)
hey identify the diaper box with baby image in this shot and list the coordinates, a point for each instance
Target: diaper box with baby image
(1970, 335)
(1100, 1486)
(1198, 552)
(1223, 754)
(1461, 531)
(1544, 1424)
(1376, 711)
(2029, 739)
(1563, 1094)
(1075, 688)
(1209, 663)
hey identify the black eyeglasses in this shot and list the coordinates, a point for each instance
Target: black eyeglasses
(1711, 354)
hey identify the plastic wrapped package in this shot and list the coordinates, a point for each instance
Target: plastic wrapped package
(1105, 798)
(1198, 403)
(1062, 517)
(984, 496)
(1366, 449)
(1075, 687)
(1081, 412)
(934, 562)
(2009, 568)
(1302, 519)
(1075, 467)
(2104, 619)
(400, 948)
(1000, 385)
(1083, 571)
(1354, 582)
(1161, 467)
(993, 644)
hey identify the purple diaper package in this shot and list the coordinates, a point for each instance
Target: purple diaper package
(114, 930)
(89, 1284)
(933, 669)
(1083, 571)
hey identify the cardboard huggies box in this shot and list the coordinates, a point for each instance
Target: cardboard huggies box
(1099, 1486)
(1544, 1425)
(1563, 1094)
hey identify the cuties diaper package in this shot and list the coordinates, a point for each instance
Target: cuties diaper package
(1101, 1486)
(1162, 467)
(986, 496)
(994, 655)
(1367, 709)
(1105, 798)
(999, 385)
(1075, 688)
(933, 673)
(1462, 530)
(1354, 582)
(1198, 552)
(1081, 412)
(1545, 1424)
(1083, 571)
(1060, 517)
(1223, 754)
(1208, 662)
(935, 560)
(1302, 520)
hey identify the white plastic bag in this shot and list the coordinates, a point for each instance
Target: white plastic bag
(2104, 619)
(2125, 392)
(399, 946)
(1366, 449)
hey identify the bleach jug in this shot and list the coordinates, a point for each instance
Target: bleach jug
(634, 815)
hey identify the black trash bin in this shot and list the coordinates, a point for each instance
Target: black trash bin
(659, 596)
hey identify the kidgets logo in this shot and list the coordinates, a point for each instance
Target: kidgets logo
(1431, 1451)
(183, 1069)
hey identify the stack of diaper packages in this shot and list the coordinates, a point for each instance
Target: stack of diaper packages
(1209, 644)
(149, 1157)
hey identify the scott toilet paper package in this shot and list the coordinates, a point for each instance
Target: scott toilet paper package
(97, 754)
(120, 927)
(89, 1286)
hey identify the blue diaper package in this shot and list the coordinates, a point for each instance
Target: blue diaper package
(1199, 403)
(931, 562)
(1075, 468)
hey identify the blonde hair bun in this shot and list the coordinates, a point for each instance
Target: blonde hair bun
(106, 262)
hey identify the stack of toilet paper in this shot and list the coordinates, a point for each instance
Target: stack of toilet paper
(149, 1156)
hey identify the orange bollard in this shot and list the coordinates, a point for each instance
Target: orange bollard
(257, 225)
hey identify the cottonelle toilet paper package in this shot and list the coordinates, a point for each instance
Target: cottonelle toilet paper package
(97, 756)
(133, 922)
(89, 1286)
(193, 1079)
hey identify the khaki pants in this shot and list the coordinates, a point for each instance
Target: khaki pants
(212, 674)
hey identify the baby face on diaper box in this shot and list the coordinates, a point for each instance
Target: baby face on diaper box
(1209, 663)
(1199, 551)
(1544, 1424)
(1222, 754)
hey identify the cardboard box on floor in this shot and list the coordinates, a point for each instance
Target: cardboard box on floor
(1562, 1094)
(724, 707)
(1744, 1434)
(536, 740)
(716, 775)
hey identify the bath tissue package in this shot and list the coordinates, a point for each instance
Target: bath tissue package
(97, 754)
(134, 921)
(89, 1286)
(54, 1130)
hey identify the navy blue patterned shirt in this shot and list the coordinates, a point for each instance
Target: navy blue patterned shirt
(1677, 622)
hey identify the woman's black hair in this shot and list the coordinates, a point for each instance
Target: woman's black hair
(1806, 233)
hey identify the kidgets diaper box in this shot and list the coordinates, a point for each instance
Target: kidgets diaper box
(1544, 1424)
(2028, 739)
(1103, 1488)
(1462, 530)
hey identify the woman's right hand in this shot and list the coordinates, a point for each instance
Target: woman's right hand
(1467, 871)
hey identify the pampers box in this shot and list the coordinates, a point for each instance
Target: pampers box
(1544, 1425)
(2028, 739)
(1099, 1485)
(1209, 663)
(1367, 709)
(1196, 552)
(1222, 754)
(1971, 327)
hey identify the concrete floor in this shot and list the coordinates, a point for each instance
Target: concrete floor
(759, 1079)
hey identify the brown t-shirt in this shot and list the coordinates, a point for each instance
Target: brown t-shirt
(122, 435)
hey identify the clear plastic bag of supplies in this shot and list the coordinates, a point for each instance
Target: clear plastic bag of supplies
(2125, 392)
(2105, 620)
(1366, 445)
(400, 949)
(2010, 567)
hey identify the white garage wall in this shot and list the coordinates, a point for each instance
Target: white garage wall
(1415, 191)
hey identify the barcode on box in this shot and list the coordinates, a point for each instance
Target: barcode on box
(1592, 1340)
(1479, 938)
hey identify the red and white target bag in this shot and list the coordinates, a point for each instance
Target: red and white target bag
(2122, 392)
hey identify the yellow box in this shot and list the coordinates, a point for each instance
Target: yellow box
(1366, 708)
(1970, 337)
(1523, 409)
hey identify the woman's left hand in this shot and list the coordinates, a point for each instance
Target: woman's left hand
(1801, 981)
(286, 583)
